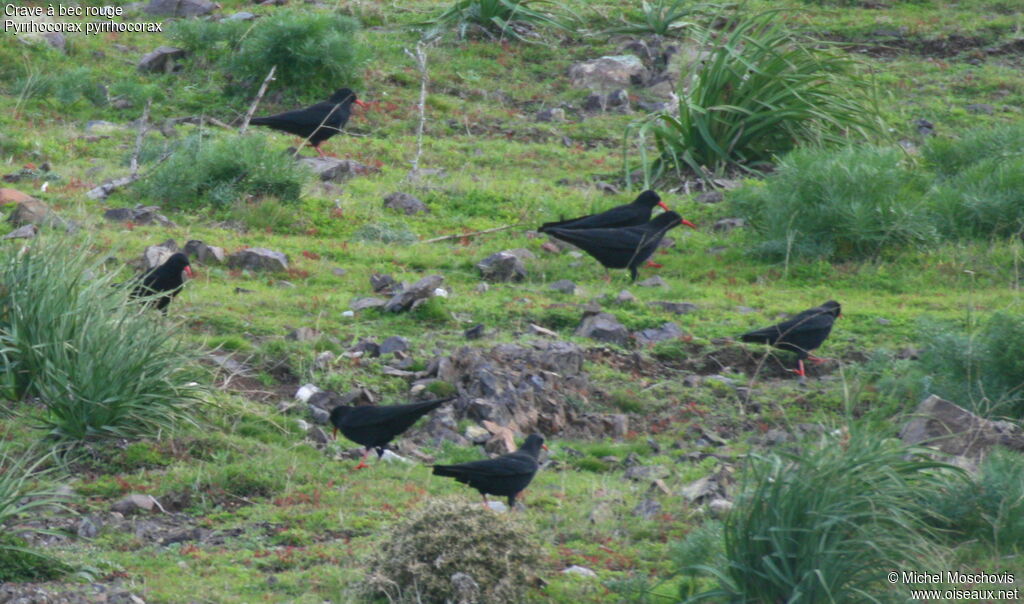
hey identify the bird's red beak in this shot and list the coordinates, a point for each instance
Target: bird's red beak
(362, 104)
(188, 271)
(689, 224)
(662, 205)
(545, 447)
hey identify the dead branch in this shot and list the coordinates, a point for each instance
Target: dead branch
(474, 234)
(256, 102)
(421, 64)
(143, 126)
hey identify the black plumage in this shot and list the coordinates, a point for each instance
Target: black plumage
(801, 334)
(316, 123)
(626, 247)
(631, 214)
(374, 427)
(505, 476)
(165, 279)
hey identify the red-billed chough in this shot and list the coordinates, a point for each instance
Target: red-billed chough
(505, 476)
(626, 247)
(801, 334)
(374, 427)
(165, 279)
(316, 123)
(631, 214)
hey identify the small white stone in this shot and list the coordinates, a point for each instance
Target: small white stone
(348, 313)
(303, 425)
(305, 392)
(579, 570)
(392, 457)
(441, 292)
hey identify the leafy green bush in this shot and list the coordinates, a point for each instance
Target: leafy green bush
(442, 539)
(495, 18)
(852, 203)
(951, 156)
(664, 17)
(103, 368)
(312, 50)
(221, 171)
(825, 524)
(989, 507)
(979, 368)
(758, 94)
(985, 200)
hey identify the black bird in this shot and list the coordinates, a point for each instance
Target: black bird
(374, 427)
(626, 247)
(631, 214)
(801, 334)
(165, 279)
(317, 123)
(505, 476)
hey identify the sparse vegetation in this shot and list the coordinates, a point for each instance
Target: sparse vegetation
(502, 19)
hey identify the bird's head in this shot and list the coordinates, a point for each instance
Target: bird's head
(534, 443)
(345, 95)
(337, 416)
(178, 263)
(832, 307)
(651, 199)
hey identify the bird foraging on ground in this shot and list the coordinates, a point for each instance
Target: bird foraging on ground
(506, 476)
(626, 247)
(801, 334)
(166, 279)
(636, 213)
(374, 427)
(315, 123)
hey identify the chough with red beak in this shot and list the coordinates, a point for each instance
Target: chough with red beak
(166, 279)
(315, 123)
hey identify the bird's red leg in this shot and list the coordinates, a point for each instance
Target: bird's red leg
(486, 505)
(319, 151)
(607, 277)
(362, 462)
(817, 360)
(652, 264)
(800, 372)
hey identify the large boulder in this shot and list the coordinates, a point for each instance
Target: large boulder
(502, 266)
(259, 259)
(954, 430)
(155, 255)
(160, 60)
(204, 254)
(405, 203)
(31, 211)
(608, 73)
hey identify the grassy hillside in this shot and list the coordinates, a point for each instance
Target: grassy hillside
(914, 226)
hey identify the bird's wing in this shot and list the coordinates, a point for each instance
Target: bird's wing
(620, 216)
(507, 465)
(615, 248)
(808, 321)
(361, 417)
(309, 117)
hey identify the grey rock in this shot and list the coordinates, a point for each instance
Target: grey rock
(603, 327)
(608, 73)
(241, 16)
(179, 8)
(710, 197)
(134, 503)
(359, 304)
(646, 472)
(956, 431)
(318, 415)
(317, 435)
(502, 267)
(668, 331)
(582, 571)
(394, 344)
(624, 297)
(87, 528)
(101, 127)
(522, 253)
(702, 489)
(161, 59)
(654, 281)
(553, 114)
(537, 330)
(595, 102)
(414, 295)
(647, 509)
(476, 332)
(565, 286)
(25, 232)
(31, 211)
(338, 271)
(155, 255)
(618, 99)
(204, 254)
(335, 170)
(383, 283)
(726, 225)
(719, 507)
(259, 259)
(405, 203)
(982, 108)
(324, 360)
(369, 348)
(677, 308)
(56, 40)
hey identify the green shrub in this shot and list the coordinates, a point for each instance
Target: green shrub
(19, 563)
(985, 200)
(757, 94)
(989, 506)
(979, 368)
(495, 18)
(826, 524)
(664, 17)
(312, 50)
(852, 203)
(951, 156)
(103, 368)
(497, 552)
(221, 171)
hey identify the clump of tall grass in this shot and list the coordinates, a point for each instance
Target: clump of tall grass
(951, 156)
(221, 171)
(312, 50)
(759, 93)
(826, 524)
(855, 202)
(495, 18)
(979, 368)
(665, 18)
(102, 367)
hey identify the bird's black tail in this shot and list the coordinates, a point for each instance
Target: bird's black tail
(449, 471)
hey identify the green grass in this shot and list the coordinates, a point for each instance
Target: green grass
(292, 524)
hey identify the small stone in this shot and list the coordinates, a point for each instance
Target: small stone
(625, 297)
(655, 281)
(383, 283)
(726, 225)
(303, 334)
(481, 288)
(554, 114)
(338, 271)
(603, 327)
(241, 16)
(134, 503)
(883, 322)
(87, 529)
(668, 331)
(475, 333)
(155, 255)
(710, 197)
(305, 392)
(497, 506)
(394, 344)
(259, 259)
(502, 267)
(537, 330)
(25, 232)
(647, 509)
(719, 507)
(324, 360)
(317, 435)
(476, 434)
(162, 59)
(414, 295)
(318, 415)
(405, 203)
(204, 254)
(582, 571)
(564, 286)
(336, 170)
(646, 472)
(982, 108)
